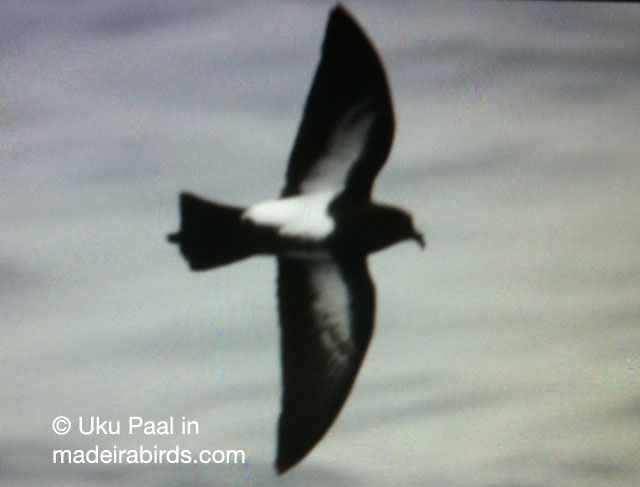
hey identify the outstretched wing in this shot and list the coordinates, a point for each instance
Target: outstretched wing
(326, 315)
(347, 127)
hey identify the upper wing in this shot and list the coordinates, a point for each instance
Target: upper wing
(326, 315)
(347, 127)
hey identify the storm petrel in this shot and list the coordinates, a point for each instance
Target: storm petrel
(321, 230)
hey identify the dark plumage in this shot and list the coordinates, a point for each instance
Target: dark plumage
(321, 230)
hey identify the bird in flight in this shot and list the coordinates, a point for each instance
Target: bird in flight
(321, 230)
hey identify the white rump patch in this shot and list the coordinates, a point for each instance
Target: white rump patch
(332, 312)
(345, 146)
(304, 216)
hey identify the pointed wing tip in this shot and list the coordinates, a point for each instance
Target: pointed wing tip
(289, 455)
(292, 447)
(341, 19)
(339, 12)
(282, 466)
(339, 9)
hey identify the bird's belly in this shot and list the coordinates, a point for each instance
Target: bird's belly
(312, 254)
(305, 216)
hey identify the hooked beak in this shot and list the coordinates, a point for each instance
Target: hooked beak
(419, 237)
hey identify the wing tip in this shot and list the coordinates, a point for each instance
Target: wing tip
(290, 453)
(339, 9)
(293, 445)
(283, 466)
(340, 13)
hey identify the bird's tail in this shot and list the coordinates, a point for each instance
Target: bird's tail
(210, 234)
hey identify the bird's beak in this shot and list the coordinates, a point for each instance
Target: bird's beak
(419, 237)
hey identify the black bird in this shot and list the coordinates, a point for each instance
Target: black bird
(321, 230)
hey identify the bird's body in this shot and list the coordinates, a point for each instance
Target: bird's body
(321, 230)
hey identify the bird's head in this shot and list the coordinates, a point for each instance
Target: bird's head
(392, 225)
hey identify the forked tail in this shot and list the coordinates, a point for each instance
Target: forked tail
(210, 234)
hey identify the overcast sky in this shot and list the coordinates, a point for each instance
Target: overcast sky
(506, 354)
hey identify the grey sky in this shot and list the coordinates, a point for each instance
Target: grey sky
(506, 354)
